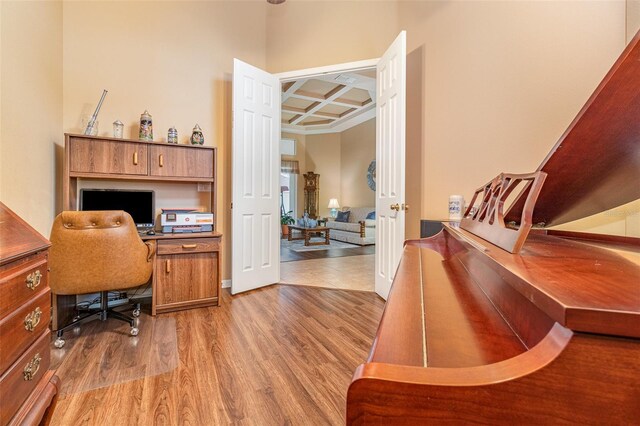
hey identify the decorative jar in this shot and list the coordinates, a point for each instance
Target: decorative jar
(197, 138)
(146, 127)
(118, 129)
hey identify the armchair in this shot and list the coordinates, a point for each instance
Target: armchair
(97, 251)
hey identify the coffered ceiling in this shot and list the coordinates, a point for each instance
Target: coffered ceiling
(328, 103)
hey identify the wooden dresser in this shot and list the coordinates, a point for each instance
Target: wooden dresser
(27, 387)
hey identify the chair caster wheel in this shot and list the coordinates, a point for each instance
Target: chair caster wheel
(134, 331)
(136, 313)
(59, 343)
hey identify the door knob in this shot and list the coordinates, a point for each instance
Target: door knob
(395, 207)
(405, 207)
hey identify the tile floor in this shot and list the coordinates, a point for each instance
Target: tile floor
(348, 273)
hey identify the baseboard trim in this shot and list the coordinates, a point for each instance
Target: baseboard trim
(226, 283)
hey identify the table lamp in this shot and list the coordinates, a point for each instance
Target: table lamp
(334, 206)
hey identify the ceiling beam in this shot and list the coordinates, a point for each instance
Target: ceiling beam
(326, 99)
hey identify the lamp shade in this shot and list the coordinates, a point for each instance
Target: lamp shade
(333, 204)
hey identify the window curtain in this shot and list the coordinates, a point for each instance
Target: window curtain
(290, 166)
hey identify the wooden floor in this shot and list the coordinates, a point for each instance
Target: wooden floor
(288, 255)
(279, 355)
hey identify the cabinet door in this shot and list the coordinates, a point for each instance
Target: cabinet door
(107, 157)
(184, 280)
(181, 161)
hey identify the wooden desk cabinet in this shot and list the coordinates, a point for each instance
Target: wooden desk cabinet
(186, 272)
(27, 387)
(185, 275)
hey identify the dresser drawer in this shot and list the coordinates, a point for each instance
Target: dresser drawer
(188, 245)
(23, 376)
(20, 329)
(20, 283)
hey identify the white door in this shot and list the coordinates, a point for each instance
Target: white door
(390, 162)
(255, 234)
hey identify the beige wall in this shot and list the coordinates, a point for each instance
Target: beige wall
(500, 80)
(633, 18)
(174, 59)
(357, 150)
(323, 157)
(31, 114)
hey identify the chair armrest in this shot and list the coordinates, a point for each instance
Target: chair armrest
(361, 228)
(151, 250)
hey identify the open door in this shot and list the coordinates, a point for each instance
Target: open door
(255, 215)
(390, 162)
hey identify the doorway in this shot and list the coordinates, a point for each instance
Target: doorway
(255, 190)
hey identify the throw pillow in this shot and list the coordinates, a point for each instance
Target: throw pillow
(371, 215)
(343, 216)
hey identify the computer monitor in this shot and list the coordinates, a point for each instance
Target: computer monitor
(140, 204)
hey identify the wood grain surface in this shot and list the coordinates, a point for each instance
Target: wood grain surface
(278, 355)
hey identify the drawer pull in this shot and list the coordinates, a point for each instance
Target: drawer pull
(32, 320)
(167, 266)
(186, 246)
(161, 160)
(32, 368)
(33, 279)
(135, 158)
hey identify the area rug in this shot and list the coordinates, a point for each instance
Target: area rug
(298, 245)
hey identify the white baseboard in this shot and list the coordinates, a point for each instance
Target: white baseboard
(226, 283)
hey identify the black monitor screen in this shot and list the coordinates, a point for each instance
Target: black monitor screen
(139, 204)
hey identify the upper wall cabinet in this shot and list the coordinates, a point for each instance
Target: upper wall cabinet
(107, 157)
(95, 157)
(180, 161)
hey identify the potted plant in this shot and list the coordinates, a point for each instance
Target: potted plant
(285, 220)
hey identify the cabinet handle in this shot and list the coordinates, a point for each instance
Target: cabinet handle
(135, 158)
(185, 246)
(32, 319)
(161, 160)
(167, 266)
(32, 368)
(33, 279)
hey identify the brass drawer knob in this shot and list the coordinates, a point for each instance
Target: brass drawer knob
(32, 320)
(33, 279)
(32, 368)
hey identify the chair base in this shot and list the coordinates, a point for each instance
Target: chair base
(102, 314)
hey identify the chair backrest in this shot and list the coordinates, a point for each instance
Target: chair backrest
(92, 251)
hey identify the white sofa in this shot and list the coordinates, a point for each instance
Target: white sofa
(359, 230)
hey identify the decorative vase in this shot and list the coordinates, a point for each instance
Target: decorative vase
(118, 129)
(172, 136)
(197, 138)
(146, 127)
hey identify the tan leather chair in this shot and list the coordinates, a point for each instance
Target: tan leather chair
(97, 251)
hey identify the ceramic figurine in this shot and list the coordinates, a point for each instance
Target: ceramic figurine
(118, 129)
(172, 136)
(146, 127)
(197, 138)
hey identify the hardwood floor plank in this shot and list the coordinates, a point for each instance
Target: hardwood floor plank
(279, 355)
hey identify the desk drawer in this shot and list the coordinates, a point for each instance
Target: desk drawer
(188, 245)
(21, 282)
(22, 378)
(20, 329)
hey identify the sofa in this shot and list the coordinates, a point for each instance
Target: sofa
(358, 230)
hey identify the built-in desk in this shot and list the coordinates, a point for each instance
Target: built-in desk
(186, 272)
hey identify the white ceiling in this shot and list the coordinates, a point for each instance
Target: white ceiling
(328, 103)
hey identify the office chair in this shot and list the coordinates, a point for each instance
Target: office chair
(97, 252)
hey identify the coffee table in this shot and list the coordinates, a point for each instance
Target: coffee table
(306, 234)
